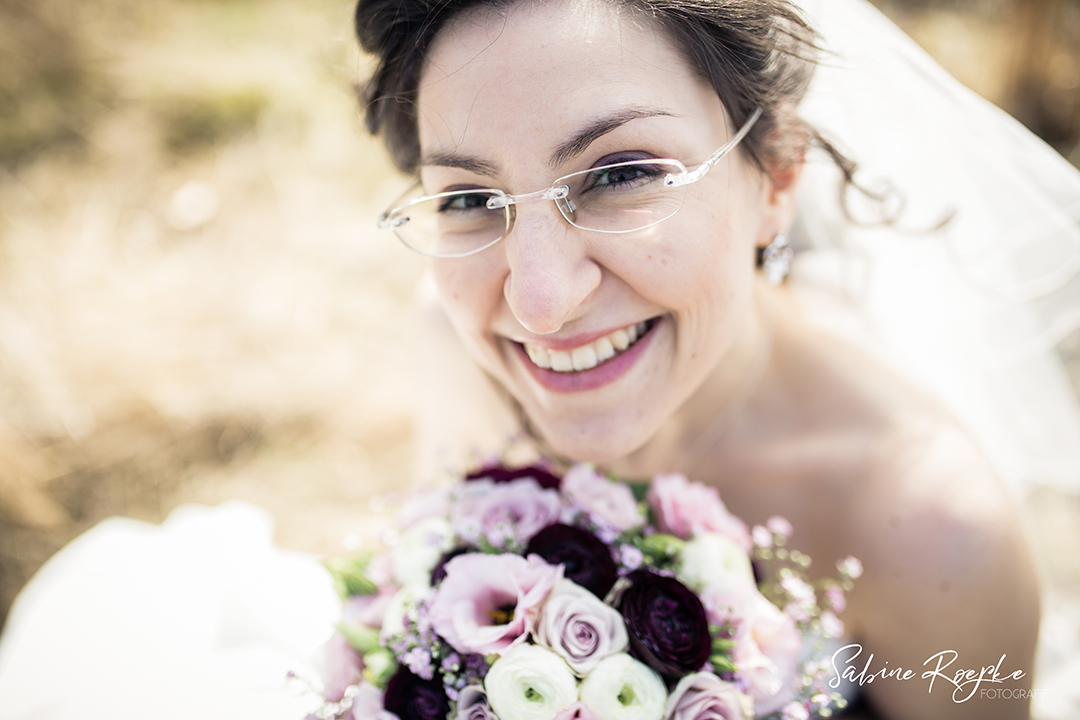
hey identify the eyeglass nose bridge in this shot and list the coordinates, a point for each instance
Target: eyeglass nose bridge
(555, 192)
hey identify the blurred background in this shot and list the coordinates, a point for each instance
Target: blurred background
(194, 305)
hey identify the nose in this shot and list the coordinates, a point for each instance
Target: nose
(551, 271)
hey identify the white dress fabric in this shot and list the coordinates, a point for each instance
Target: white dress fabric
(203, 618)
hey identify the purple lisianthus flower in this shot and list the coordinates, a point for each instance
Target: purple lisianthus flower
(439, 572)
(667, 624)
(487, 604)
(585, 559)
(499, 474)
(506, 514)
(685, 508)
(412, 698)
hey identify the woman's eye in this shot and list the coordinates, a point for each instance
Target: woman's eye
(623, 176)
(470, 201)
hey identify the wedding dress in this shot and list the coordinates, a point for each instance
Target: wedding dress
(203, 618)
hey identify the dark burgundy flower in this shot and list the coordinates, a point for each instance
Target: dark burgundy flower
(412, 698)
(666, 623)
(500, 474)
(439, 571)
(585, 558)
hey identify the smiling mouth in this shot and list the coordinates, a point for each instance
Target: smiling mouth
(590, 355)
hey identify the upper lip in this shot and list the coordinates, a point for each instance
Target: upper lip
(572, 341)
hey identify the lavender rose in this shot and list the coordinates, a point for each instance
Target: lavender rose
(585, 559)
(341, 667)
(368, 704)
(667, 624)
(488, 603)
(506, 515)
(412, 698)
(704, 696)
(575, 624)
(473, 704)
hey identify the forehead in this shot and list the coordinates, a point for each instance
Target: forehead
(538, 69)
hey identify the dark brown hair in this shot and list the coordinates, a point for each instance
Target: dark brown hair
(755, 53)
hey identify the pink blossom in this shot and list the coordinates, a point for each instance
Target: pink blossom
(704, 696)
(602, 499)
(767, 643)
(368, 704)
(780, 526)
(577, 711)
(489, 603)
(341, 667)
(835, 596)
(684, 509)
(428, 502)
(505, 514)
(368, 610)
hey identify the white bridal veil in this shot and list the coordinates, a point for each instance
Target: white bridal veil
(971, 310)
(201, 617)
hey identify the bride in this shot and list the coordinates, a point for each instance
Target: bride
(613, 192)
(595, 182)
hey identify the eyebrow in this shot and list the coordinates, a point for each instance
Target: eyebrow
(597, 129)
(566, 150)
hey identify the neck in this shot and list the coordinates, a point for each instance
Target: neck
(702, 422)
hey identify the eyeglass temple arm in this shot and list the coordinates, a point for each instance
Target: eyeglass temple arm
(699, 172)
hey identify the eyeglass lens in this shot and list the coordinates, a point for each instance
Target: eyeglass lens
(615, 198)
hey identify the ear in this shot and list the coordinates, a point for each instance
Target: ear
(781, 200)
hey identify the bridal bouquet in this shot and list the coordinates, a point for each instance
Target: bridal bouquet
(520, 595)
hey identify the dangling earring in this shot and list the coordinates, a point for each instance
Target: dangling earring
(776, 260)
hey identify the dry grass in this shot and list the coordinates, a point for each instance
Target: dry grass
(194, 305)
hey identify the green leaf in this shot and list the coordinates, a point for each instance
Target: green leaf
(363, 639)
(660, 549)
(348, 575)
(722, 664)
(379, 667)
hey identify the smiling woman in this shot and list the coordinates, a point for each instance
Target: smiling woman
(627, 322)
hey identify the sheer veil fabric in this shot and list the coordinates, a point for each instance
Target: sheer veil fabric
(969, 291)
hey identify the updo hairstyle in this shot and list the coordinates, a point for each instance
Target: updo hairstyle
(754, 53)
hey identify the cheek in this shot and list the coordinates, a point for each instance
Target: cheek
(470, 293)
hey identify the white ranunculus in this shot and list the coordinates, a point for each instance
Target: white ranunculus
(419, 548)
(530, 683)
(401, 605)
(580, 627)
(621, 688)
(714, 559)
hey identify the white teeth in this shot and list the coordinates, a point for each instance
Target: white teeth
(560, 361)
(539, 356)
(586, 356)
(583, 357)
(604, 349)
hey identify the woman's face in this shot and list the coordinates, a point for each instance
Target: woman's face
(514, 99)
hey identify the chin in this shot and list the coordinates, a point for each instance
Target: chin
(595, 440)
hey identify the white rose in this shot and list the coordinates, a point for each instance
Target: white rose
(621, 688)
(714, 559)
(529, 683)
(580, 627)
(418, 550)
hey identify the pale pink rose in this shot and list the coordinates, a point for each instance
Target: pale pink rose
(704, 696)
(605, 501)
(577, 711)
(488, 603)
(577, 625)
(684, 509)
(368, 704)
(767, 643)
(505, 514)
(340, 667)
